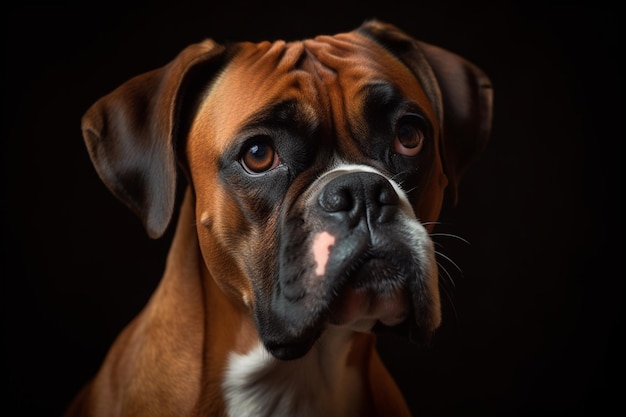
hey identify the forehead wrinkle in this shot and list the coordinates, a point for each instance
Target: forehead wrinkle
(342, 70)
(324, 75)
(257, 77)
(369, 62)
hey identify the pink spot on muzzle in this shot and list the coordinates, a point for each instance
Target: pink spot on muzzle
(322, 242)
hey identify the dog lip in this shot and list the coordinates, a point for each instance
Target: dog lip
(408, 329)
(367, 300)
(375, 272)
(359, 306)
(368, 279)
(290, 351)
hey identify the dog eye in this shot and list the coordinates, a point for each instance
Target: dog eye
(259, 156)
(409, 135)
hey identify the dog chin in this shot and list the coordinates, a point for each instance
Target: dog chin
(368, 311)
(360, 309)
(363, 310)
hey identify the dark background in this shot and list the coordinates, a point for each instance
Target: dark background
(531, 327)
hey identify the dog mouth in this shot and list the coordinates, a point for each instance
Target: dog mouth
(380, 297)
(374, 293)
(368, 284)
(356, 259)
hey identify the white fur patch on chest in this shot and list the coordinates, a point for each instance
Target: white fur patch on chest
(317, 385)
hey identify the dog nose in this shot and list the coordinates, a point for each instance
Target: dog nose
(358, 196)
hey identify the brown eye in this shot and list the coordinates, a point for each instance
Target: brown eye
(409, 136)
(259, 156)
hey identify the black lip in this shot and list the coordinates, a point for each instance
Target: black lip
(408, 329)
(362, 259)
(378, 274)
(291, 350)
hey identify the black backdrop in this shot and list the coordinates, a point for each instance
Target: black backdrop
(531, 326)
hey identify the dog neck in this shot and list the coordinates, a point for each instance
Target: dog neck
(322, 383)
(238, 370)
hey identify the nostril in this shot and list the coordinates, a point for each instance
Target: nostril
(336, 199)
(359, 197)
(387, 196)
(388, 201)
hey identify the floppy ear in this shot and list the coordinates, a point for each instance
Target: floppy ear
(460, 92)
(131, 133)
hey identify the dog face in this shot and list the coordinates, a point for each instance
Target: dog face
(317, 168)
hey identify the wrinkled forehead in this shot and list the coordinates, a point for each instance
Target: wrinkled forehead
(328, 78)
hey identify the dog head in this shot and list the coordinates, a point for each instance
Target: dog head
(318, 168)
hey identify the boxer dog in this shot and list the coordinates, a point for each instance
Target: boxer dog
(314, 172)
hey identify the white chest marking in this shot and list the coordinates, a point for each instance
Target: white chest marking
(317, 385)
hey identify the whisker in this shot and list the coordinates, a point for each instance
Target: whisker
(447, 290)
(447, 274)
(399, 182)
(451, 235)
(447, 285)
(449, 260)
(399, 174)
(450, 299)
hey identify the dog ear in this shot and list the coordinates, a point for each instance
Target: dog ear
(460, 92)
(131, 133)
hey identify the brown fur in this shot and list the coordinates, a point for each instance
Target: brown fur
(170, 360)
